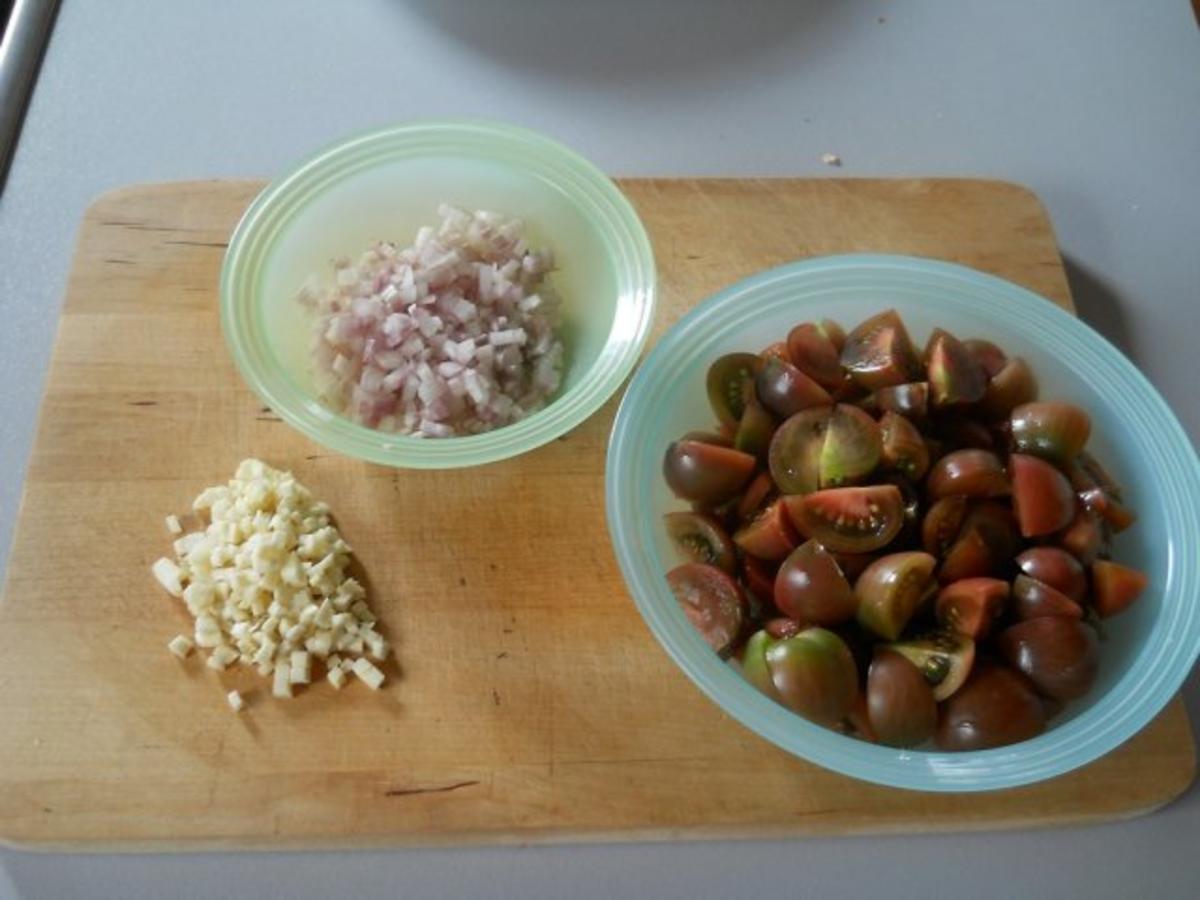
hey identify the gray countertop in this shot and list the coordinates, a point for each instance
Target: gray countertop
(1095, 105)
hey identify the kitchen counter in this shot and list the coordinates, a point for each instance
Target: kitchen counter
(1092, 105)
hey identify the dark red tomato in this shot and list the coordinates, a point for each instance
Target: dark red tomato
(813, 353)
(1042, 496)
(890, 591)
(971, 605)
(943, 523)
(996, 707)
(1034, 600)
(756, 495)
(879, 352)
(1055, 431)
(955, 377)
(902, 447)
(705, 473)
(729, 381)
(1009, 388)
(794, 456)
(711, 600)
(1083, 539)
(815, 675)
(834, 332)
(810, 587)
(997, 525)
(910, 400)
(968, 557)
(1115, 587)
(701, 539)
(849, 520)
(1060, 656)
(990, 357)
(769, 535)
(1055, 567)
(972, 473)
(759, 576)
(785, 390)
(944, 657)
(852, 447)
(755, 430)
(900, 704)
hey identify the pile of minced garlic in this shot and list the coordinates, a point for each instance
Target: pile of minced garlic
(267, 586)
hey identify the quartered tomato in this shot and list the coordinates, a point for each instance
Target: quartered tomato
(849, 520)
(729, 381)
(712, 602)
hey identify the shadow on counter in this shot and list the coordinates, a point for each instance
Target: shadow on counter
(1097, 303)
(623, 40)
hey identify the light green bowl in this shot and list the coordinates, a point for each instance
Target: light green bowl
(383, 185)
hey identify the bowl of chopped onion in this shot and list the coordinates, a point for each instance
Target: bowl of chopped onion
(438, 294)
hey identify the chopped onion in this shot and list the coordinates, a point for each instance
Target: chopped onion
(454, 335)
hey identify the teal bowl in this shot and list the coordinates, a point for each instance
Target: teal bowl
(1149, 650)
(383, 185)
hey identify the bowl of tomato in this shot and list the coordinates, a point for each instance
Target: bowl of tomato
(909, 522)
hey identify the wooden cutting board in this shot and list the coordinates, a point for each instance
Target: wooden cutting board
(529, 703)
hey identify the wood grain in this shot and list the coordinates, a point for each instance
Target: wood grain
(530, 703)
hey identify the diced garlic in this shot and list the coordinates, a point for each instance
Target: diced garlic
(377, 646)
(222, 657)
(336, 677)
(181, 645)
(167, 574)
(368, 674)
(300, 668)
(173, 526)
(236, 703)
(282, 686)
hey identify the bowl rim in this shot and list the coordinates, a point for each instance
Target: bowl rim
(593, 193)
(1094, 731)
